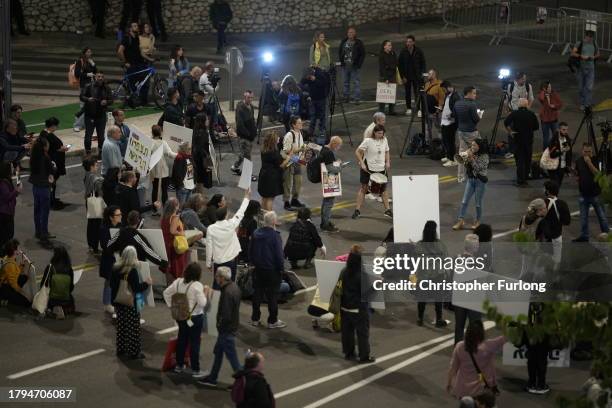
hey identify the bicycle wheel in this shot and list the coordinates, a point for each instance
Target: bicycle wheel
(120, 90)
(159, 91)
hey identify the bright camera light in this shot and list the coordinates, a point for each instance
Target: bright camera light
(504, 73)
(267, 57)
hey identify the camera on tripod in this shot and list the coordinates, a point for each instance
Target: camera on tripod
(606, 128)
(214, 78)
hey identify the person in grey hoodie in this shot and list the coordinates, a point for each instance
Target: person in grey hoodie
(93, 187)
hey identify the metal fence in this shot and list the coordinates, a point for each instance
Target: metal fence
(559, 28)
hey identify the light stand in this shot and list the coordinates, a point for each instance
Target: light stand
(333, 99)
(265, 80)
(503, 101)
(425, 125)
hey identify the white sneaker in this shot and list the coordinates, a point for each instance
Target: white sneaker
(408, 112)
(110, 309)
(278, 325)
(114, 316)
(255, 323)
(199, 374)
(142, 321)
(450, 163)
(419, 114)
(76, 129)
(179, 369)
(370, 196)
(444, 159)
(508, 156)
(379, 199)
(59, 313)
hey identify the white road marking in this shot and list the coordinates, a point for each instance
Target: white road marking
(168, 330)
(387, 371)
(305, 290)
(54, 364)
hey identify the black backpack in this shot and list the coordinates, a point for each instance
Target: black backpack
(313, 168)
(437, 149)
(417, 146)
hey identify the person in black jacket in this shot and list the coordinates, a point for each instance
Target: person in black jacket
(328, 157)
(354, 312)
(156, 18)
(228, 320)
(303, 240)
(387, 67)
(173, 110)
(111, 219)
(128, 317)
(127, 195)
(85, 70)
(220, 14)
(246, 129)
(520, 125)
(97, 97)
(129, 236)
(257, 391)
(315, 86)
(351, 55)
(448, 124)
(12, 146)
(109, 186)
(557, 216)
(560, 147)
(57, 153)
(41, 177)
(412, 66)
(98, 14)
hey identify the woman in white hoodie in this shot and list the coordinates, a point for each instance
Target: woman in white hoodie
(160, 173)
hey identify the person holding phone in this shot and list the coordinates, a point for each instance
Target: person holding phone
(57, 153)
(8, 201)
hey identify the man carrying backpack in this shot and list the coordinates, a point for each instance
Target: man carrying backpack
(250, 387)
(586, 52)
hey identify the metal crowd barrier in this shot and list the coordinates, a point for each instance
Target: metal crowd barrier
(556, 27)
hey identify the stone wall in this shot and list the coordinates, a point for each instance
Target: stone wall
(191, 16)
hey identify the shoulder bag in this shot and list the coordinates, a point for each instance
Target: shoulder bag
(547, 162)
(180, 243)
(95, 207)
(482, 378)
(124, 294)
(41, 298)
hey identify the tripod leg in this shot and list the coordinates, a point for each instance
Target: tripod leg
(498, 117)
(262, 98)
(221, 115)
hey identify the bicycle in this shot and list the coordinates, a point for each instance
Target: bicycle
(128, 92)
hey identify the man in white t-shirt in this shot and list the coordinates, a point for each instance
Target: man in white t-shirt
(292, 175)
(373, 157)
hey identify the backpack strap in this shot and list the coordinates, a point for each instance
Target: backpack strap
(553, 203)
(481, 376)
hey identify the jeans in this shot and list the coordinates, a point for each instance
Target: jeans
(271, 294)
(79, 121)
(107, 293)
(586, 80)
(356, 324)
(42, 204)
(351, 74)
(182, 194)
(93, 232)
(548, 130)
(226, 344)
(318, 114)
(246, 146)
(449, 141)
(99, 124)
(585, 202)
(221, 40)
(523, 155)
(230, 264)
(192, 336)
(461, 316)
(326, 209)
(473, 187)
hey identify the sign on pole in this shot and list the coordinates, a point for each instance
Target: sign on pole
(385, 93)
(139, 151)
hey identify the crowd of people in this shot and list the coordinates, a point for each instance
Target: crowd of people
(189, 221)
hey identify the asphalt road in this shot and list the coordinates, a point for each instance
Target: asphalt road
(297, 355)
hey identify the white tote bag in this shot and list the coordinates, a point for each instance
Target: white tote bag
(95, 207)
(41, 298)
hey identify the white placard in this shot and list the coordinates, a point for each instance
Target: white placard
(139, 151)
(144, 273)
(418, 197)
(328, 273)
(175, 135)
(514, 356)
(211, 316)
(331, 184)
(246, 174)
(77, 275)
(385, 93)
(213, 159)
(155, 238)
(156, 156)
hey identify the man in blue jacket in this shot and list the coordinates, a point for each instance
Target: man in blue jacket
(266, 255)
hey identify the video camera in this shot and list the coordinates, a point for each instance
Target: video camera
(606, 128)
(214, 78)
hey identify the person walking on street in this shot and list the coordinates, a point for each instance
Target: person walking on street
(111, 220)
(351, 55)
(190, 329)
(549, 112)
(316, 85)
(320, 56)
(448, 125)
(85, 70)
(246, 128)
(467, 117)
(220, 14)
(520, 125)
(328, 158)
(266, 255)
(97, 98)
(586, 52)
(412, 66)
(387, 71)
(228, 320)
(587, 167)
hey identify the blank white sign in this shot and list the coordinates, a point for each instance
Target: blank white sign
(416, 200)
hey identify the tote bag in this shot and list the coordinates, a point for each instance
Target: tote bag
(41, 298)
(547, 162)
(124, 294)
(95, 207)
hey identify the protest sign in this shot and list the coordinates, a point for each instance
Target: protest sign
(331, 184)
(385, 93)
(174, 135)
(139, 151)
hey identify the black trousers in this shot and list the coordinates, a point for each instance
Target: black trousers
(411, 85)
(557, 176)
(221, 40)
(93, 232)
(54, 189)
(7, 231)
(449, 140)
(421, 310)
(98, 14)
(17, 15)
(130, 13)
(522, 155)
(97, 124)
(537, 363)
(359, 324)
(271, 294)
(15, 298)
(165, 182)
(156, 18)
(461, 316)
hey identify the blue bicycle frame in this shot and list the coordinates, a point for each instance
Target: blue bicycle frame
(139, 84)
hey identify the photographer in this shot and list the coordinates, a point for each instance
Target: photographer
(315, 85)
(209, 81)
(476, 161)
